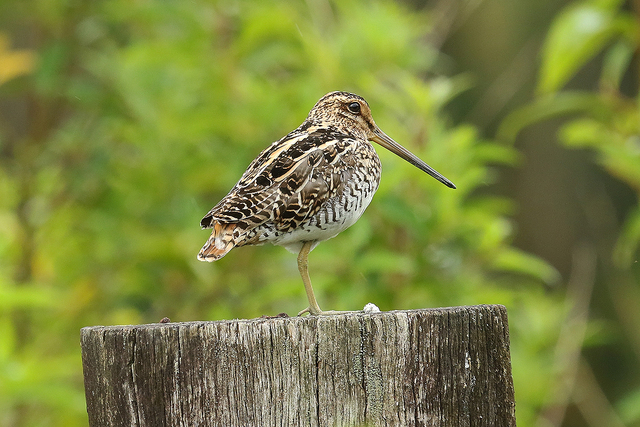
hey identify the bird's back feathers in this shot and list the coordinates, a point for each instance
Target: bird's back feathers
(286, 184)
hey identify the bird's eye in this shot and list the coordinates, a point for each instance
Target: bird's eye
(354, 107)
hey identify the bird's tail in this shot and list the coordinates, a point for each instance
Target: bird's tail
(220, 242)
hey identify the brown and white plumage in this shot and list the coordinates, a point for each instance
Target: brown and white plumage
(308, 186)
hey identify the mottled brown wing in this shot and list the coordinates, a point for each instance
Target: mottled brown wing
(286, 184)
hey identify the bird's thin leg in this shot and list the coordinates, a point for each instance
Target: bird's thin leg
(313, 308)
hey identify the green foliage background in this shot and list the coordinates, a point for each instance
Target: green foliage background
(123, 122)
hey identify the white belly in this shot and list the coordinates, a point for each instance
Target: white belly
(337, 215)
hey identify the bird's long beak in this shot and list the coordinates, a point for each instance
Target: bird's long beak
(388, 143)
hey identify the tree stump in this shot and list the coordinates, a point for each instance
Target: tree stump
(438, 367)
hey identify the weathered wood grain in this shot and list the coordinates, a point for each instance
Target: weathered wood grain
(440, 367)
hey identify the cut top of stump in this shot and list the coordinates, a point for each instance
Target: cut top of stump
(433, 367)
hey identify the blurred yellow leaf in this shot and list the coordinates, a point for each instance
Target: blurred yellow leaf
(14, 63)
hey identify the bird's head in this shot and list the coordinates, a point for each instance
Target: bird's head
(345, 112)
(350, 114)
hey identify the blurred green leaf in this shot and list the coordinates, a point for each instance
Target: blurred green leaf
(522, 262)
(551, 106)
(626, 250)
(629, 408)
(619, 153)
(7, 340)
(616, 63)
(577, 34)
(30, 297)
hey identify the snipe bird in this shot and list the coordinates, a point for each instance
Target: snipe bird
(308, 186)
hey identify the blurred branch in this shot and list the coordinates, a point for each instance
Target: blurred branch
(569, 346)
(507, 84)
(592, 401)
(447, 16)
(625, 294)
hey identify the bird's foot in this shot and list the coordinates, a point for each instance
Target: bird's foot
(322, 312)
